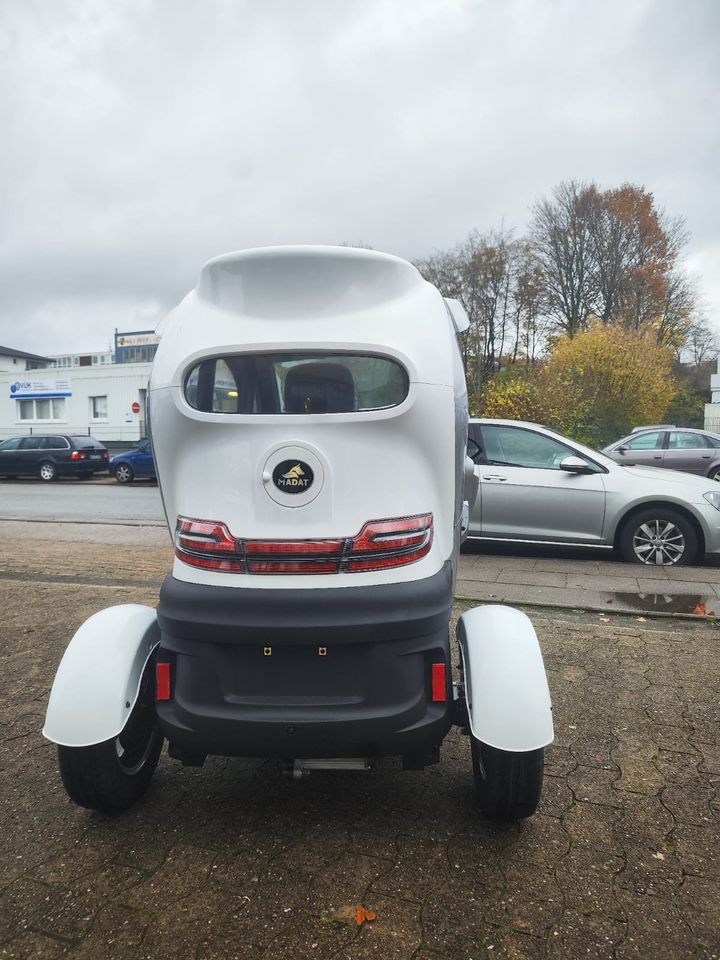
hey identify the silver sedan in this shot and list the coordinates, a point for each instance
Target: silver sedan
(537, 486)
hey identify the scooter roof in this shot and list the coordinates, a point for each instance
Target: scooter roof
(300, 297)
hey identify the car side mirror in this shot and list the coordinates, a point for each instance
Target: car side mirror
(621, 449)
(575, 465)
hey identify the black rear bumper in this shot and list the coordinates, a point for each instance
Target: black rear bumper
(343, 672)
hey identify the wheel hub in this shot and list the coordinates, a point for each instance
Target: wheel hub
(658, 542)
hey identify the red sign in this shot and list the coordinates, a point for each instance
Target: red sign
(136, 407)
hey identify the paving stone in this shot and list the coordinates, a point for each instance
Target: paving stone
(234, 861)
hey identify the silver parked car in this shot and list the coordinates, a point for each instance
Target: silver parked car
(691, 451)
(538, 486)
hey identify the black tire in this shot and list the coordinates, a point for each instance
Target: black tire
(47, 471)
(113, 775)
(659, 530)
(714, 474)
(124, 473)
(508, 785)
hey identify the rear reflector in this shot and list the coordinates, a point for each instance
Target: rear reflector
(162, 681)
(380, 545)
(439, 688)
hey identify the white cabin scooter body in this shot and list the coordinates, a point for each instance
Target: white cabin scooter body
(308, 416)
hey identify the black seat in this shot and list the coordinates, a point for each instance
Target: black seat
(319, 388)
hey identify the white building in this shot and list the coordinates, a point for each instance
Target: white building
(107, 402)
(19, 360)
(712, 409)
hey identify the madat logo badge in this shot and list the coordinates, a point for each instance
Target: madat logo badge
(293, 476)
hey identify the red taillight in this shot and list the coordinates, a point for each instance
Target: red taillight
(207, 544)
(439, 687)
(105, 455)
(380, 545)
(77, 455)
(383, 544)
(162, 681)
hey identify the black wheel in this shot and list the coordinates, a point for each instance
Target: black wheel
(111, 776)
(124, 473)
(507, 785)
(659, 536)
(47, 471)
(714, 474)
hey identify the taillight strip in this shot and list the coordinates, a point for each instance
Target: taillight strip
(380, 545)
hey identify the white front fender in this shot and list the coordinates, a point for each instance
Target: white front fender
(506, 688)
(98, 679)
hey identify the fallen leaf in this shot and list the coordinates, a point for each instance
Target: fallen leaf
(362, 916)
(609, 601)
(659, 856)
(604, 619)
(641, 619)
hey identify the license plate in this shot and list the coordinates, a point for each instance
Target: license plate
(94, 456)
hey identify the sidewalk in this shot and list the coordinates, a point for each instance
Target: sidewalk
(588, 582)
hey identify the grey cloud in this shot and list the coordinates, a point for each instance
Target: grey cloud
(143, 138)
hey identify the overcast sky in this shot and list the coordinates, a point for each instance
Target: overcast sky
(142, 138)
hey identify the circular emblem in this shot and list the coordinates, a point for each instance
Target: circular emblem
(293, 476)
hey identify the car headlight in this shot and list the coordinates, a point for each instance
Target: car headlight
(714, 498)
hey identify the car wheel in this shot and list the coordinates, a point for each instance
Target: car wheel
(714, 474)
(508, 785)
(124, 473)
(659, 537)
(48, 471)
(113, 775)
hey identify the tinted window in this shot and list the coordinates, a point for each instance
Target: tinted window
(474, 451)
(81, 442)
(296, 384)
(11, 444)
(515, 447)
(54, 443)
(645, 441)
(713, 441)
(32, 443)
(680, 440)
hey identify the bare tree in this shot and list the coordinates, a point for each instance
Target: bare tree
(563, 244)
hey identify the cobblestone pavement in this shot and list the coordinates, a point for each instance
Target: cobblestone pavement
(233, 861)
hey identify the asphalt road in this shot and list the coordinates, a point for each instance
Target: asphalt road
(89, 501)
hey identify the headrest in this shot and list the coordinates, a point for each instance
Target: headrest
(319, 388)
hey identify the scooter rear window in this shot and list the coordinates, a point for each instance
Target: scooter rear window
(295, 383)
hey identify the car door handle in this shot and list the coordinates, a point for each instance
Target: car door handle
(493, 476)
(657, 458)
(707, 456)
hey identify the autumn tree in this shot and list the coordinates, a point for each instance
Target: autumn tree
(594, 387)
(613, 255)
(497, 280)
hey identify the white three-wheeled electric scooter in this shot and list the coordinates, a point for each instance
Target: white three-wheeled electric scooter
(308, 415)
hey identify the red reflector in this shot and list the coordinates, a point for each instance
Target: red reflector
(162, 681)
(439, 688)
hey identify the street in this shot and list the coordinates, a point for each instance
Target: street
(103, 502)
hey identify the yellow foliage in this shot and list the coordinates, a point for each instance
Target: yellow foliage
(595, 386)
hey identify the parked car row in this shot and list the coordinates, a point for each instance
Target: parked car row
(536, 486)
(59, 455)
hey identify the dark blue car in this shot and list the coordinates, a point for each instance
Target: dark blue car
(126, 467)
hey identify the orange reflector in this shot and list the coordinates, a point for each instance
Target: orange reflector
(162, 681)
(439, 691)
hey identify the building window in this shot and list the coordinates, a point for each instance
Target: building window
(46, 408)
(98, 408)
